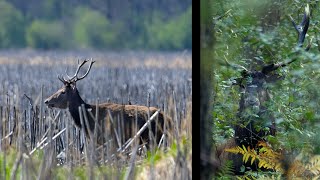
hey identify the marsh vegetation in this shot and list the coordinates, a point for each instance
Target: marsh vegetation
(37, 142)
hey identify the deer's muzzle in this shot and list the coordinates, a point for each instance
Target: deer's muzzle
(47, 102)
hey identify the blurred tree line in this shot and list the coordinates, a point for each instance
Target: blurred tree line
(98, 24)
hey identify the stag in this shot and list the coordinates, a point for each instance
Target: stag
(254, 95)
(104, 118)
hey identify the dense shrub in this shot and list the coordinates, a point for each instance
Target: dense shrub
(11, 26)
(171, 34)
(92, 29)
(250, 36)
(97, 25)
(45, 35)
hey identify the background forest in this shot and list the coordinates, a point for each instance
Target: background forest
(97, 24)
(238, 35)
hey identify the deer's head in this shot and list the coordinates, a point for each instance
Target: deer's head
(68, 94)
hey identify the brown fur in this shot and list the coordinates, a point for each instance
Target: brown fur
(127, 119)
(124, 117)
(127, 116)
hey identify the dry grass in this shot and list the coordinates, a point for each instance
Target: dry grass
(181, 60)
(177, 163)
(28, 126)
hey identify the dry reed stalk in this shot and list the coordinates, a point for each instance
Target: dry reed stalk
(89, 169)
(34, 123)
(41, 111)
(18, 161)
(91, 143)
(142, 129)
(44, 139)
(151, 137)
(115, 131)
(47, 161)
(130, 172)
(178, 166)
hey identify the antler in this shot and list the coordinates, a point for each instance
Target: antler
(303, 27)
(64, 81)
(75, 77)
(302, 31)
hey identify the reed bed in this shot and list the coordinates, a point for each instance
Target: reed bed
(39, 143)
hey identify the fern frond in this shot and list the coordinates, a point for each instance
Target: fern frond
(226, 170)
(314, 165)
(267, 157)
(246, 152)
(270, 159)
(246, 177)
(235, 150)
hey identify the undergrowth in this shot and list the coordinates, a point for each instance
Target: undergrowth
(276, 161)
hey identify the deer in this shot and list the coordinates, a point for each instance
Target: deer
(253, 96)
(103, 118)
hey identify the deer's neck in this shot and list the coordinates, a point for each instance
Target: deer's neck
(74, 105)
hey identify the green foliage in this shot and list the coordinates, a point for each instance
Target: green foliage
(95, 24)
(92, 29)
(12, 26)
(52, 9)
(256, 33)
(80, 173)
(154, 157)
(8, 160)
(172, 34)
(226, 171)
(46, 35)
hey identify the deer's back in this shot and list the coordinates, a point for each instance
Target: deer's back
(128, 119)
